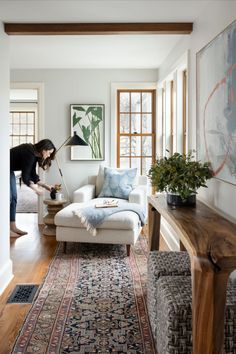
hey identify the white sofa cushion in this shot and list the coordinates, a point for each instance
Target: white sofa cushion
(84, 194)
(99, 179)
(126, 220)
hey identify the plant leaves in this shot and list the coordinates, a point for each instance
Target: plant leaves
(180, 174)
(96, 111)
(79, 108)
(94, 123)
(76, 119)
(86, 133)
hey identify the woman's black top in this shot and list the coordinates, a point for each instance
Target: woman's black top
(23, 158)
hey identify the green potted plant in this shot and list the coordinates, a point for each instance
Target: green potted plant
(180, 176)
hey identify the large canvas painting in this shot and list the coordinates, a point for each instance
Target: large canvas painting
(216, 104)
(88, 122)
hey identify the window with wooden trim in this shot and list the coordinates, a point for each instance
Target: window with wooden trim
(173, 111)
(184, 111)
(171, 117)
(22, 127)
(136, 129)
(163, 120)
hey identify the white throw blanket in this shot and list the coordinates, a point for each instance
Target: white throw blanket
(92, 217)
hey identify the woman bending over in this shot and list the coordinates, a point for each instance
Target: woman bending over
(25, 158)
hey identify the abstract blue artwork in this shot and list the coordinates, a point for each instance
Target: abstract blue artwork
(216, 104)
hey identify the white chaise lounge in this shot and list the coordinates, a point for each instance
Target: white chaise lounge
(120, 228)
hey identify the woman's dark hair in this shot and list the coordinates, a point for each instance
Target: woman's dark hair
(45, 144)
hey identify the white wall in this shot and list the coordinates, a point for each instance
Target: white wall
(5, 262)
(215, 18)
(65, 87)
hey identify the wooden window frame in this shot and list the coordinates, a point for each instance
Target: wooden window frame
(184, 147)
(152, 134)
(163, 117)
(23, 111)
(171, 117)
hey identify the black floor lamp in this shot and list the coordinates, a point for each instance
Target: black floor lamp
(74, 140)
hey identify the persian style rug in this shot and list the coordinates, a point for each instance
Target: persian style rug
(92, 301)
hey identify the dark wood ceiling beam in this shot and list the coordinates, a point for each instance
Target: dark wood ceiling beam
(97, 28)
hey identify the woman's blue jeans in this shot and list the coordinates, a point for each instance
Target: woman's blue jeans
(13, 196)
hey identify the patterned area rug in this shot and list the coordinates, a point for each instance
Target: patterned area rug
(92, 301)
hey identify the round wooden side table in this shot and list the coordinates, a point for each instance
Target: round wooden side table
(53, 206)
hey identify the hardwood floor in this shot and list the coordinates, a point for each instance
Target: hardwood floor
(31, 256)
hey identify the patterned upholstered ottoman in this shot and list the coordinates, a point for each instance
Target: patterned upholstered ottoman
(174, 316)
(162, 264)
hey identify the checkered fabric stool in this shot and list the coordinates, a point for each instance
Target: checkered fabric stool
(174, 316)
(162, 264)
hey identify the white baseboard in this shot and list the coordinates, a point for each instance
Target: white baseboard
(170, 236)
(6, 275)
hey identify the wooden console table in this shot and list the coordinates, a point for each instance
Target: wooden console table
(210, 240)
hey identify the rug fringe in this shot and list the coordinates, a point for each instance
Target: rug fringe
(85, 222)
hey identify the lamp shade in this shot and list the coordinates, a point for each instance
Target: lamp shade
(76, 140)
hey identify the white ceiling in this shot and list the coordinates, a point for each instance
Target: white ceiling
(100, 51)
(90, 51)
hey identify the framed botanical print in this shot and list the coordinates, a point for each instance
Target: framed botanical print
(88, 122)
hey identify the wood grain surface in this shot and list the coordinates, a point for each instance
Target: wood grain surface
(31, 256)
(202, 230)
(98, 28)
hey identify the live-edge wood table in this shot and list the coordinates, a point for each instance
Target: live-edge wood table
(210, 240)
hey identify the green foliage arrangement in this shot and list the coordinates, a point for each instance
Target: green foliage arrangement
(180, 174)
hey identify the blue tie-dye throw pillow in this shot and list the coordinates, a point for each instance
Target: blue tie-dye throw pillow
(118, 184)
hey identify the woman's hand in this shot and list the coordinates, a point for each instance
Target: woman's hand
(49, 188)
(46, 186)
(36, 188)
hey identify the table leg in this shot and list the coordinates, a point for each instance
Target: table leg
(221, 280)
(208, 307)
(50, 227)
(182, 247)
(154, 224)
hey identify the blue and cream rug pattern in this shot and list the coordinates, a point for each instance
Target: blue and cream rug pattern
(93, 300)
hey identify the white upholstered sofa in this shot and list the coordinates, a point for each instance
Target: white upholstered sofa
(120, 228)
